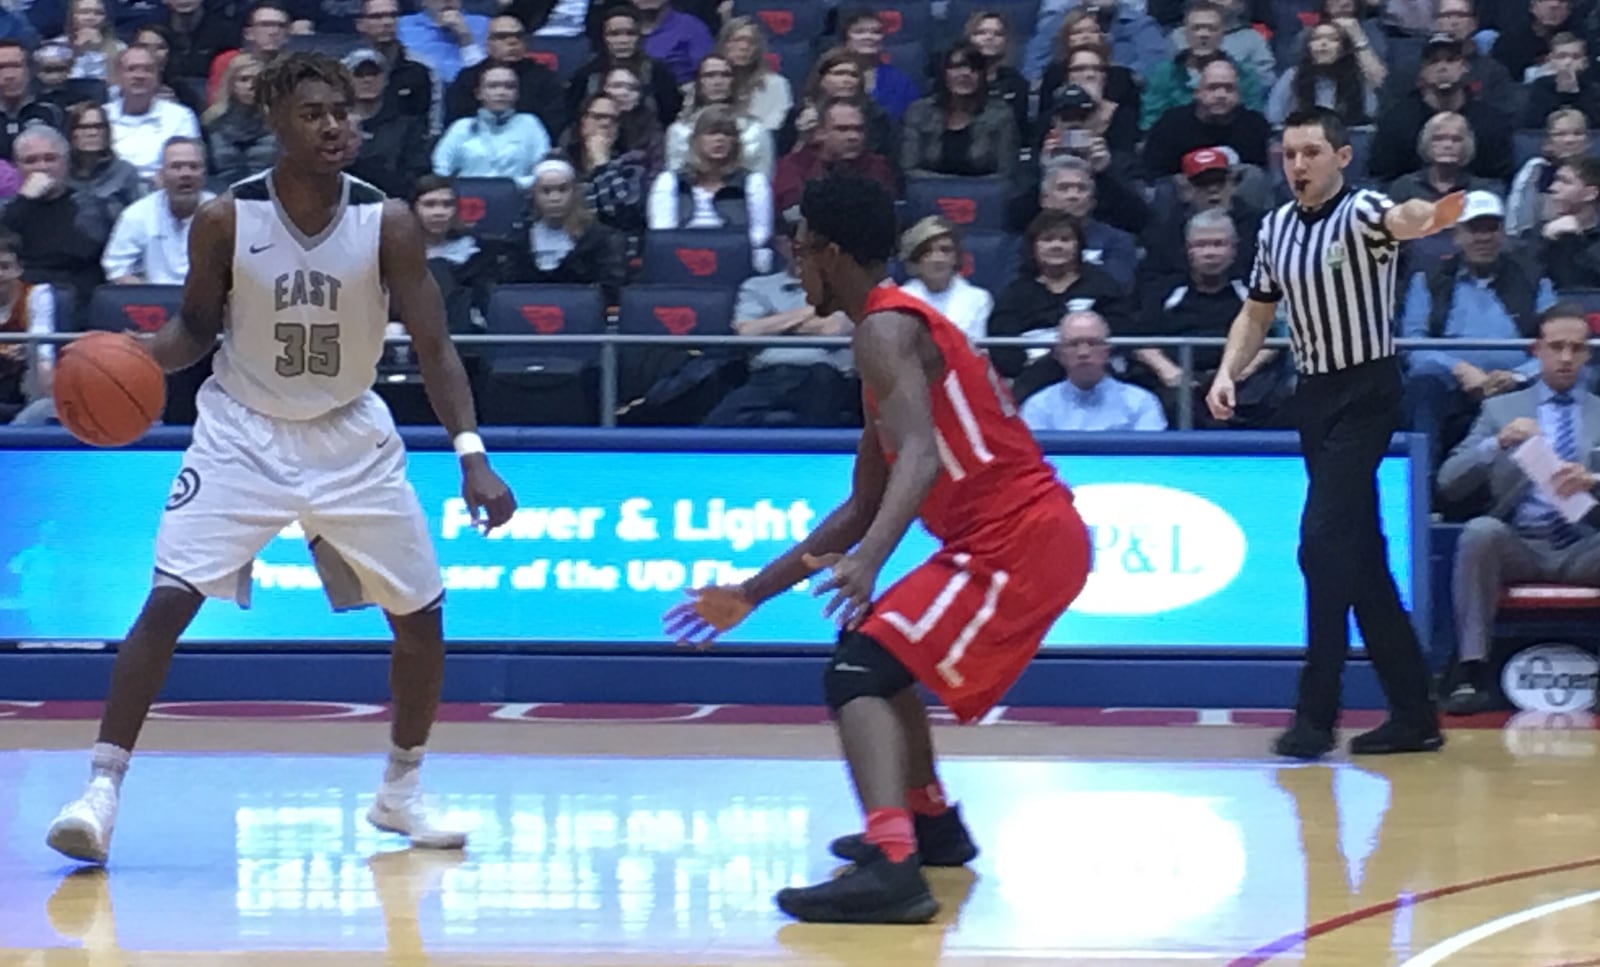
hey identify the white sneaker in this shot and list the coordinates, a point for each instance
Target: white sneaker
(408, 817)
(83, 829)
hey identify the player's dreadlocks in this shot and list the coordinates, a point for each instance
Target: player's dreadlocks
(279, 78)
(854, 213)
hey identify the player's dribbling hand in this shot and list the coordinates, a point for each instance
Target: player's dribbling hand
(487, 496)
(1221, 400)
(708, 613)
(853, 580)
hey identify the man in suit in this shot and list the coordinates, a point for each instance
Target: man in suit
(1523, 537)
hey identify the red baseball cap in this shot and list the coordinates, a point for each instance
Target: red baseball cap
(1201, 160)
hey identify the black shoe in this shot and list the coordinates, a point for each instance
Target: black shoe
(873, 890)
(1304, 741)
(1394, 736)
(1469, 699)
(942, 840)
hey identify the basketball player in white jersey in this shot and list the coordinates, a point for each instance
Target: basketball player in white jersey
(296, 269)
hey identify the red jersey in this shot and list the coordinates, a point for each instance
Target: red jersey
(993, 472)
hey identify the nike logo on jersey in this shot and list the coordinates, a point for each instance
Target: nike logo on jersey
(258, 249)
(384, 442)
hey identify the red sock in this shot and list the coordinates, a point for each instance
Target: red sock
(927, 800)
(890, 830)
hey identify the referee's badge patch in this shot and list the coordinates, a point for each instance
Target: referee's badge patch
(1336, 256)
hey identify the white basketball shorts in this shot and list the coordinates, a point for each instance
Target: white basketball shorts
(246, 476)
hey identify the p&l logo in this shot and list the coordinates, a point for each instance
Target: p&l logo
(700, 262)
(146, 318)
(545, 320)
(677, 319)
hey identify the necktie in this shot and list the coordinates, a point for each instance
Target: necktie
(1548, 523)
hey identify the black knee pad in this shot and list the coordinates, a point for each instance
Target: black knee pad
(862, 668)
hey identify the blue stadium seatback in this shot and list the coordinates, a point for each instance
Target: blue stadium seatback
(563, 55)
(907, 20)
(334, 45)
(792, 59)
(991, 260)
(490, 207)
(1021, 16)
(911, 56)
(1589, 299)
(785, 21)
(689, 256)
(133, 308)
(974, 204)
(1360, 154)
(545, 310)
(676, 310)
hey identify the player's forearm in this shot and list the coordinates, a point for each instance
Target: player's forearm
(449, 390)
(914, 472)
(837, 533)
(182, 342)
(1245, 338)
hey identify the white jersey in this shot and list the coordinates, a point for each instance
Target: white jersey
(307, 315)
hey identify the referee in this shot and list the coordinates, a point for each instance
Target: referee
(1331, 253)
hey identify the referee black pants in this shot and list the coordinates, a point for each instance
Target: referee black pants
(1346, 419)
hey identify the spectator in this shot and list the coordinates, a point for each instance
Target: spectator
(236, 129)
(1524, 42)
(1241, 42)
(1215, 120)
(840, 145)
(141, 124)
(157, 39)
(1570, 247)
(1209, 180)
(1486, 77)
(1447, 148)
(959, 131)
(1203, 303)
(1069, 185)
(1119, 194)
(465, 273)
(538, 91)
(1112, 90)
(266, 30)
(1366, 34)
(409, 86)
(987, 32)
(674, 38)
(95, 170)
(1055, 280)
(26, 371)
(1481, 293)
(1136, 40)
(1174, 82)
(391, 156)
(91, 39)
(1523, 537)
(565, 243)
(1566, 137)
(499, 142)
(150, 241)
(762, 91)
(53, 82)
(443, 39)
(18, 107)
(1333, 72)
(803, 386)
(713, 84)
(713, 189)
(1441, 86)
(1090, 399)
(836, 74)
(887, 84)
(654, 84)
(1569, 83)
(932, 254)
(638, 130)
(195, 36)
(63, 231)
(614, 180)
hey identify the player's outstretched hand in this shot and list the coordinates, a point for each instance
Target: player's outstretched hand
(487, 496)
(853, 582)
(708, 613)
(1447, 211)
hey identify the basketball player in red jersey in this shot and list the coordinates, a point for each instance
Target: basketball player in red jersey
(942, 442)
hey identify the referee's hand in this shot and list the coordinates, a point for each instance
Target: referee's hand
(1220, 401)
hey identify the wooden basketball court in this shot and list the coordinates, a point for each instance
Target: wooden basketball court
(660, 841)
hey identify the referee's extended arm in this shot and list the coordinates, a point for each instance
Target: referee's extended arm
(1245, 337)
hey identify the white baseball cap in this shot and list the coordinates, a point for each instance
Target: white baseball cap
(1482, 204)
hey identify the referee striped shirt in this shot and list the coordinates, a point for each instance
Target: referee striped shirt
(1336, 268)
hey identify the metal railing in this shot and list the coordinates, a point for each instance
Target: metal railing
(608, 343)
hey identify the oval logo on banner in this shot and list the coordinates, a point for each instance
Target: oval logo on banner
(1156, 549)
(1551, 678)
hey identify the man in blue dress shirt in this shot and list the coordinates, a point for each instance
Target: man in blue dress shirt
(1090, 398)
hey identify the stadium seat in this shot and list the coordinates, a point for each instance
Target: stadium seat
(133, 308)
(907, 20)
(975, 204)
(490, 207)
(785, 21)
(1360, 154)
(911, 56)
(563, 55)
(334, 45)
(1589, 299)
(674, 385)
(546, 310)
(1549, 597)
(696, 257)
(993, 259)
(676, 310)
(793, 60)
(1526, 144)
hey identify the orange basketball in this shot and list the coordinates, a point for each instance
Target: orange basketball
(108, 389)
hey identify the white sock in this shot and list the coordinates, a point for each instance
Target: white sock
(403, 774)
(107, 761)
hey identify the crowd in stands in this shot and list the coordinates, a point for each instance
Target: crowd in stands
(1074, 170)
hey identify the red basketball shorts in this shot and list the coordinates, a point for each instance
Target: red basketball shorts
(967, 625)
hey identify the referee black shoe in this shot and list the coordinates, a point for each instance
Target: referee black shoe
(942, 840)
(1395, 736)
(873, 890)
(1305, 741)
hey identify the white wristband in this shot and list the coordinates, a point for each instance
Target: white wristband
(469, 443)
